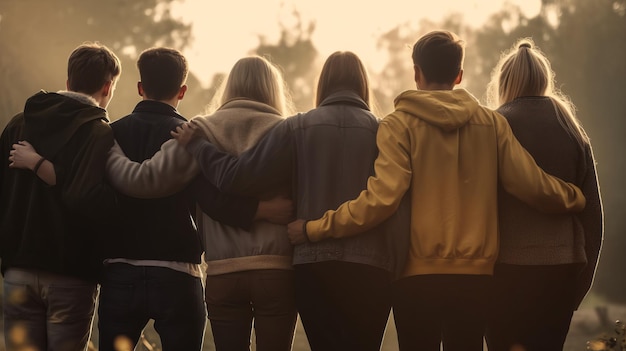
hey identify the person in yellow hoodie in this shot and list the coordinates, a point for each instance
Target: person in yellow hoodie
(449, 153)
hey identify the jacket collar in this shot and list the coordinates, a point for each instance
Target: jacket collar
(345, 97)
(157, 108)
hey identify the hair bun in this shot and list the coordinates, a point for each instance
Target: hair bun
(524, 45)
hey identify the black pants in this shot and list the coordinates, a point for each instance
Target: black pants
(343, 306)
(431, 309)
(132, 295)
(531, 306)
(264, 297)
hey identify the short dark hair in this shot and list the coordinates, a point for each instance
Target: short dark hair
(90, 66)
(163, 71)
(439, 55)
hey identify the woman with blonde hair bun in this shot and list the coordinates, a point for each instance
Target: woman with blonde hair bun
(546, 263)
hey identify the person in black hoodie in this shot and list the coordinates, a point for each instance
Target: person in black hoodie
(48, 234)
(151, 249)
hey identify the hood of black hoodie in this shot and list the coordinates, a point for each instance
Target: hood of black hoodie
(51, 119)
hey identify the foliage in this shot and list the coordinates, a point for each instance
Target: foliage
(36, 38)
(398, 73)
(296, 55)
(610, 342)
(584, 42)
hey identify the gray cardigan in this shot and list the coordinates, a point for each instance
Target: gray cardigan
(528, 237)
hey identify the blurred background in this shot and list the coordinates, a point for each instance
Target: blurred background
(584, 39)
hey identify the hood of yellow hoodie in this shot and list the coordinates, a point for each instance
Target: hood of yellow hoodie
(446, 109)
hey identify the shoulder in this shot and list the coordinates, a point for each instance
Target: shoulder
(97, 129)
(16, 121)
(398, 117)
(13, 129)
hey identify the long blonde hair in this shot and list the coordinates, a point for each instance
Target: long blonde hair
(525, 71)
(254, 78)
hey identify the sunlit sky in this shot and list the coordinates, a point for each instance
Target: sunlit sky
(227, 30)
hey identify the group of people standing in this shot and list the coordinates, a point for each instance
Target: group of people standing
(469, 223)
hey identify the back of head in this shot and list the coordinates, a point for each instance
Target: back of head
(257, 79)
(439, 55)
(90, 66)
(343, 70)
(162, 72)
(524, 70)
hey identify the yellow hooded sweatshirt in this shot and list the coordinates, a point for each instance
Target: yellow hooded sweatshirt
(449, 153)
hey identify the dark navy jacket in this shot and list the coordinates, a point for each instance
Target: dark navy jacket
(163, 228)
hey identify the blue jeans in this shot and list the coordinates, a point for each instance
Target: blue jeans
(45, 311)
(132, 295)
(265, 296)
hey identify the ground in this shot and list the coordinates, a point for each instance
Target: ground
(587, 325)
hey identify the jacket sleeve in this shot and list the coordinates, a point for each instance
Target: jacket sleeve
(592, 220)
(384, 192)
(520, 175)
(267, 165)
(166, 173)
(84, 189)
(230, 209)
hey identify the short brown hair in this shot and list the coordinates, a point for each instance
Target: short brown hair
(90, 66)
(439, 55)
(343, 70)
(163, 71)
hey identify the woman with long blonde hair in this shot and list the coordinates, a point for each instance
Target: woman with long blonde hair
(546, 263)
(249, 273)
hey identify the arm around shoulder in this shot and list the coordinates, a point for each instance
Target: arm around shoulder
(166, 173)
(520, 175)
(384, 191)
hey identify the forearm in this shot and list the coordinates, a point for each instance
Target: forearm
(266, 166)
(520, 175)
(230, 209)
(85, 190)
(215, 165)
(381, 198)
(166, 173)
(46, 172)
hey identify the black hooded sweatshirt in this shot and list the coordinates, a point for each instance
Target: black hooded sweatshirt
(57, 228)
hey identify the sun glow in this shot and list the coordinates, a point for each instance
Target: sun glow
(228, 30)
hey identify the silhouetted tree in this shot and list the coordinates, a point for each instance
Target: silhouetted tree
(398, 74)
(36, 38)
(296, 54)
